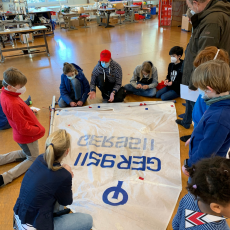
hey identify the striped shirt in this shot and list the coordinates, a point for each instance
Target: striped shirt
(113, 74)
(189, 202)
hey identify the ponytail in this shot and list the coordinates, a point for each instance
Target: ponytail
(56, 145)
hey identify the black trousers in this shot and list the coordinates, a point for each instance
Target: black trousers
(187, 120)
(106, 89)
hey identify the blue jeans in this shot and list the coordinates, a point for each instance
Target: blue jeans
(167, 94)
(75, 94)
(73, 221)
(6, 126)
(140, 92)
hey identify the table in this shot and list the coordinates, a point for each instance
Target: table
(25, 31)
(69, 16)
(108, 11)
(130, 8)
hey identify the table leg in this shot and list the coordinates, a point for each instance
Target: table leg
(132, 17)
(2, 58)
(107, 25)
(47, 49)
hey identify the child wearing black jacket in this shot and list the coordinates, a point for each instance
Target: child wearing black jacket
(174, 77)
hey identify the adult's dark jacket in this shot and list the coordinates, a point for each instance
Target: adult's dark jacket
(40, 189)
(211, 27)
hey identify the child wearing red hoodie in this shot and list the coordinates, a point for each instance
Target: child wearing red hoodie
(26, 128)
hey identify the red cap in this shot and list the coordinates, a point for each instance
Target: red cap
(105, 55)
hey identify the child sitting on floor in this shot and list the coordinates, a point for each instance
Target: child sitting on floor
(144, 80)
(4, 124)
(209, 192)
(174, 77)
(74, 86)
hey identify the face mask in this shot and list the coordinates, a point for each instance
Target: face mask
(173, 59)
(105, 64)
(203, 95)
(192, 12)
(21, 90)
(71, 78)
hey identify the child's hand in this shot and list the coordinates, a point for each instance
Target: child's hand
(145, 87)
(79, 103)
(73, 104)
(34, 111)
(169, 83)
(185, 171)
(166, 82)
(139, 86)
(92, 95)
(68, 168)
(187, 142)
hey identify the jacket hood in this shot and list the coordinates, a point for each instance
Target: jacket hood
(212, 7)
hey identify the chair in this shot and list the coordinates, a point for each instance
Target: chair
(84, 16)
(120, 8)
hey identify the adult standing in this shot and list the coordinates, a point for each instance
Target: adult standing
(211, 26)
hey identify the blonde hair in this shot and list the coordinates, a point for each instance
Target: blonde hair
(215, 74)
(209, 53)
(56, 145)
(147, 67)
(69, 68)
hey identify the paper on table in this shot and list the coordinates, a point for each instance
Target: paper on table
(187, 94)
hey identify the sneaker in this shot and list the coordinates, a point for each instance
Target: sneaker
(181, 115)
(180, 122)
(185, 138)
(28, 101)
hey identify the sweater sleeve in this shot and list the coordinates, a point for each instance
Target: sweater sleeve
(210, 36)
(155, 80)
(63, 91)
(21, 124)
(118, 81)
(86, 88)
(93, 79)
(215, 135)
(169, 73)
(133, 80)
(64, 193)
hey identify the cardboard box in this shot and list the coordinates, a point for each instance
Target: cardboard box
(186, 25)
(111, 20)
(74, 22)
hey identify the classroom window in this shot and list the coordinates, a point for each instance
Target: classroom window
(42, 2)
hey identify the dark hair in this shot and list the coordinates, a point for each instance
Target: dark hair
(68, 68)
(176, 50)
(1, 85)
(211, 180)
(13, 77)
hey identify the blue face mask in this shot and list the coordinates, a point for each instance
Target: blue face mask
(105, 64)
(71, 78)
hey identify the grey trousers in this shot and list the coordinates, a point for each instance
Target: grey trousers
(29, 151)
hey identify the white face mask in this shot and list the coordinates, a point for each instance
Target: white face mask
(173, 59)
(192, 12)
(21, 90)
(145, 75)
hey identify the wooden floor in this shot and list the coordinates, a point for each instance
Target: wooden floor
(130, 44)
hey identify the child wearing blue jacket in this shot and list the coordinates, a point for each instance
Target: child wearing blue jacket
(74, 86)
(212, 134)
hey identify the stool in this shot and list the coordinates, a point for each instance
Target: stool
(84, 16)
(120, 12)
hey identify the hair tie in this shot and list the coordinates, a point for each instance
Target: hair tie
(216, 54)
(51, 144)
(194, 186)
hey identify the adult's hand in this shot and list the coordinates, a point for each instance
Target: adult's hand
(68, 168)
(145, 87)
(92, 95)
(79, 103)
(73, 104)
(186, 173)
(111, 99)
(139, 86)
